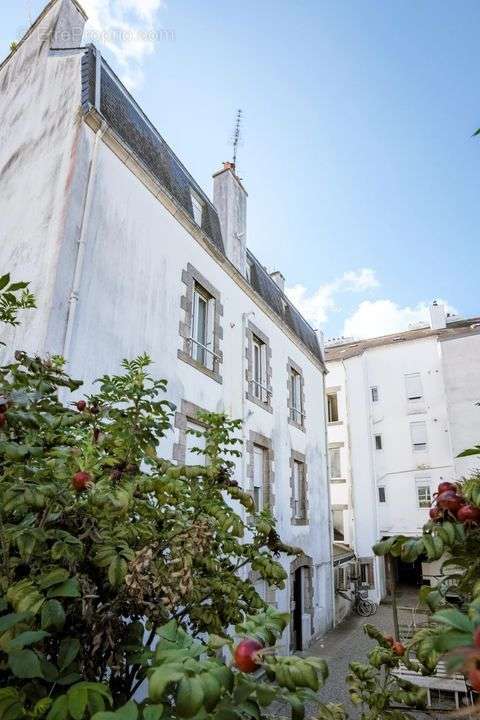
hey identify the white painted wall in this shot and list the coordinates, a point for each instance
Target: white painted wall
(131, 285)
(461, 367)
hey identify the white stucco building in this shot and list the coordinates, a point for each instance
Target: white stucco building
(126, 254)
(400, 409)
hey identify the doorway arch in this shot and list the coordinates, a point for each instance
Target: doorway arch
(301, 602)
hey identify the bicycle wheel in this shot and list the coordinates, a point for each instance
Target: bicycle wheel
(365, 608)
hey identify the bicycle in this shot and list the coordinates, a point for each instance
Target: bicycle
(361, 604)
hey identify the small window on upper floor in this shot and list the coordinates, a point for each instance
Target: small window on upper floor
(374, 393)
(259, 379)
(382, 496)
(413, 384)
(332, 404)
(335, 463)
(197, 207)
(248, 270)
(424, 494)
(418, 432)
(296, 409)
(378, 442)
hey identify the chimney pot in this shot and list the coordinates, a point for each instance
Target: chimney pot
(229, 166)
(279, 279)
(438, 317)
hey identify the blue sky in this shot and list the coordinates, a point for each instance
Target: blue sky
(362, 175)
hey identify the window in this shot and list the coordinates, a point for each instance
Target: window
(342, 577)
(197, 207)
(194, 441)
(296, 409)
(413, 384)
(259, 380)
(424, 494)
(366, 573)
(335, 463)
(202, 340)
(338, 520)
(418, 432)
(248, 269)
(378, 442)
(298, 490)
(381, 494)
(259, 470)
(332, 404)
(374, 393)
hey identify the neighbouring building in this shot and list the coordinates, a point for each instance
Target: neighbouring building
(400, 410)
(126, 253)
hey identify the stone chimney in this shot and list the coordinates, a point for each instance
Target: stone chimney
(230, 200)
(278, 279)
(438, 317)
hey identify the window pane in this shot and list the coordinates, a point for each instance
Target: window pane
(424, 496)
(374, 391)
(332, 407)
(258, 476)
(418, 431)
(378, 442)
(197, 207)
(381, 495)
(192, 441)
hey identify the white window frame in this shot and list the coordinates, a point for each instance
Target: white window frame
(198, 207)
(196, 458)
(414, 387)
(331, 464)
(335, 396)
(258, 483)
(296, 410)
(423, 483)
(260, 390)
(418, 447)
(378, 435)
(298, 490)
(382, 487)
(374, 394)
(202, 341)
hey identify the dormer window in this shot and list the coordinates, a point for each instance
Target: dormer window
(197, 207)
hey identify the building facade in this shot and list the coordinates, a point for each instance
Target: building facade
(400, 410)
(127, 254)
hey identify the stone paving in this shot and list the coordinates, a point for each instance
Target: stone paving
(339, 647)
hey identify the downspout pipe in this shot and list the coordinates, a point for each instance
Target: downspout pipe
(87, 208)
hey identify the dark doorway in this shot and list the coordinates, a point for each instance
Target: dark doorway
(409, 574)
(297, 610)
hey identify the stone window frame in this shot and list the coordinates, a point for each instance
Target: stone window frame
(334, 390)
(252, 330)
(188, 411)
(304, 519)
(304, 561)
(269, 477)
(370, 571)
(335, 446)
(270, 594)
(292, 365)
(190, 276)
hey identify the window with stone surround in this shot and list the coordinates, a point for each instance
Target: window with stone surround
(186, 419)
(299, 489)
(296, 395)
(200, 329)
(259, 370)
(332, 406)
(260, 471)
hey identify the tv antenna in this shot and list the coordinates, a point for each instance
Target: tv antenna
(236, 139)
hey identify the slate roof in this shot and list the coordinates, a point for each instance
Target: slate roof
(127, 119)
(457, 328)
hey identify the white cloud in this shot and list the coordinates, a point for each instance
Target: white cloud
(383, 317)
(317, 306)
(128, 29)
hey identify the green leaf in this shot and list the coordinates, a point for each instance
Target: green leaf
(25, 664)
(153, 712)
(69, 588)
(4, 280)
(53, 615)
(129, 711)
(12, 619)
(29, 637)
(455, 619)
(117, 571)
(59, 709)
(452, 640)
(69, 649)
(77, 701)
(54, 577)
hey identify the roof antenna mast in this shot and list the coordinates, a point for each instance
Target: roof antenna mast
(236, 136)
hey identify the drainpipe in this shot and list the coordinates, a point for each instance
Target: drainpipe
(330, 521)
(245, 317)
(77, 277)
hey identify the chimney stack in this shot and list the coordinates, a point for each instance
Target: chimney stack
(438, 318)
(230, 200)
(278, 279)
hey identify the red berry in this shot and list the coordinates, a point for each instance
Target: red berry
(468, 514)
(435, 514)
(390, 640)
(476, 637)
(94, 409)
(450, 500)
(398, 648)
(81, 405)
(444, 486)
(3, 419)
(474, 679)
(245, 655)
(81, 480)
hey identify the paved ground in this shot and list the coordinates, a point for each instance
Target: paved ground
(345, 643)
